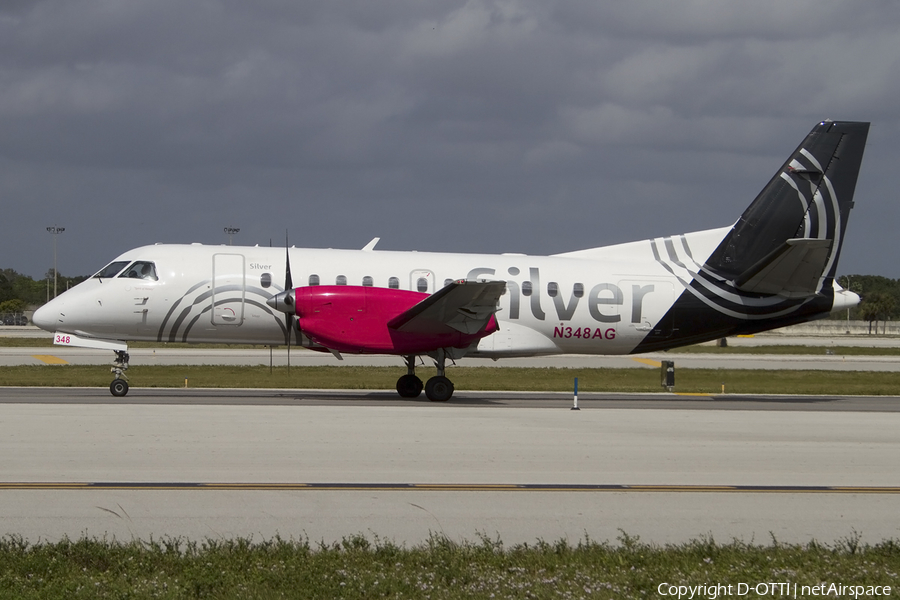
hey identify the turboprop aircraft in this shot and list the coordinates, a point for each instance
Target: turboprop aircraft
(774, 267)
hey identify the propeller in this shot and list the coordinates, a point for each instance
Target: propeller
(284, 301)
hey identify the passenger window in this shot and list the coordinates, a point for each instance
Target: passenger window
(313, 279)
(141, 270)
(553, 289)
(341, 280)
(422, 284)
(447, 282)
(578, 290)
(368, 281)
(526, 288)
(112, 269)
(265, 280)
(394, 283)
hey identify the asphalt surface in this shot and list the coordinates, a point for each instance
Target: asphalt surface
(325, 465)
(202, 463)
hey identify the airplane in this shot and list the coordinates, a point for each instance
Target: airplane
(775, 266)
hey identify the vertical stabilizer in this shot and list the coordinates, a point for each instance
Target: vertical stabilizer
(776, 265)
(810, 198)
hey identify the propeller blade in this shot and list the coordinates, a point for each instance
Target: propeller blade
(288, 280)
(288, 297)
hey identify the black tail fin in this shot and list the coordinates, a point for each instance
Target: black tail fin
(788, 240)
(776, 266)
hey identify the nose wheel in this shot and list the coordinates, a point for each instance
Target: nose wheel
(119, 385)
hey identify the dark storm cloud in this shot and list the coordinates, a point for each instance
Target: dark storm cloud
(470, 126)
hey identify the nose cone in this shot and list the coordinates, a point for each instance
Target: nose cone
(283, 302)
(47, 316)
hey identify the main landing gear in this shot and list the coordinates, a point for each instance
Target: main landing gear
(437, 389)
(119, 385)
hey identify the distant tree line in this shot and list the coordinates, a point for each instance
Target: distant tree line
(20, 292)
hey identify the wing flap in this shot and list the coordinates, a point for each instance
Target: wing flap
(464, 306)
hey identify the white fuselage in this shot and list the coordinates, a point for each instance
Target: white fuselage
(598, 301)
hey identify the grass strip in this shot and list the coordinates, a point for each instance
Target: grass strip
(439, 568)
(703, 381)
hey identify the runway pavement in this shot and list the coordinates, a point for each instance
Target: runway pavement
(469, 399)
(213, 463)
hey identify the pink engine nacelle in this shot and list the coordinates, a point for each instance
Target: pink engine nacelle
(355, 319)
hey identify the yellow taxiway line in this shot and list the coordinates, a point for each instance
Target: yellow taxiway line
(49, 359)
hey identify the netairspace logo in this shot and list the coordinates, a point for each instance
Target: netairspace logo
(784, 589)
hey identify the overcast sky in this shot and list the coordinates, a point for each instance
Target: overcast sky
(481, 126)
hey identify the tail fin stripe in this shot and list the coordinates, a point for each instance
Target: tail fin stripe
(715, 288)
(812, 159)
(744, 314)
(818, 221)
(687, 249)
(673, 254)
(824, 217)
(726, 292)
(807, 225)
(835, 247)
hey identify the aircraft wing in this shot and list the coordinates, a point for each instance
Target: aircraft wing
(466, 306)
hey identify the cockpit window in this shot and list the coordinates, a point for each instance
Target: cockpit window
(141, 270)
(112, 269)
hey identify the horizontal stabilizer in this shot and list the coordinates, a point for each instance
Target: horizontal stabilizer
(466, 306)
(792, 270)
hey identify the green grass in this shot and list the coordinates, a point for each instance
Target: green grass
(706, 381)
(439, 568)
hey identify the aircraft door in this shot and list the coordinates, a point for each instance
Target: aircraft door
(645, 303)
(228, 289)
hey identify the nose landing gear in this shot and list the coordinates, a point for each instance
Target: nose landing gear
(119, 385)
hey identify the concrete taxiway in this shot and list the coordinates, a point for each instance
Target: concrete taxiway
(203, 463)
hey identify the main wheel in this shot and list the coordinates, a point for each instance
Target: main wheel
(409, 386)
(119, 387)
(439, 389)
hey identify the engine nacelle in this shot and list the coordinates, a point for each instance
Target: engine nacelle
(354, 319)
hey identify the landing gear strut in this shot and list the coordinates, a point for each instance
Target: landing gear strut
(439, 388)
(410, 386)
(119, 385)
